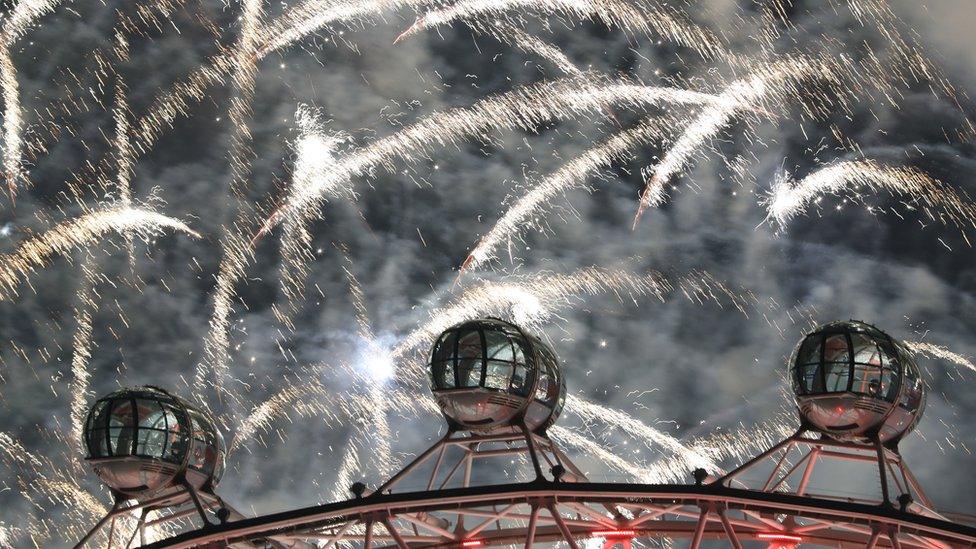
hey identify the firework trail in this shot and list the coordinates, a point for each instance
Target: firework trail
(24, 14)
(242, 79)
(81, 348)
(530, 302)
(516, 37)
(79, 233)
(788, 198)
(776, 82)
(236, 254)
(942, 353)
(571, 175)
(233, 263)
(605, 455)
(525, 108)
(590, 411)
(11, 123)
(313, 399)
(313, 15)
(374, 353)
(347, 468)
(636, 18)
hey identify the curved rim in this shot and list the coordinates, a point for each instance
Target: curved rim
(309, 518)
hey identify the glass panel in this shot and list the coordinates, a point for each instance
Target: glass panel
(546, 384)
(95, 432)
(443, 374)
(912, 397)
(469, 372)
(520, 381)
(810, 350)
(836, 350)
(198, 444)
(151, 414)
(121, 428)
(499, 346)
(177, 439)
(837, 376)
(865, 350)
(469, 344)
(869, 381)
(547, 388)
(810, 379)
(444, 349)
(151, 442)
(498, 375)
(97, 443)
(469, 364)
(519, 346)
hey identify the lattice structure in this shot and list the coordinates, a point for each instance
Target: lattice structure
(778, 511)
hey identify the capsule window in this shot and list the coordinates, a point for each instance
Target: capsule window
(810, 379)
(153, 426)
(521, 384)
(470, 361)
(442, 362)
(836, 349)
(836, 377)
(97, 430)
(809, 352)
(548, 387)
(121, 428)
(498, 375)
(499, 346)
(202, 456)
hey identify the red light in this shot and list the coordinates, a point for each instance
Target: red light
(614, 533)
(472, 543)
(780, 538)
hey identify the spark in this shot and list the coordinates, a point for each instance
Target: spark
(592, 411)
(81, 232)
(790, 198)
(24, 14)
(942, 353)
(776, 82)
(570, 175)
(638, 18)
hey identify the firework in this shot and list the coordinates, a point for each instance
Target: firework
(638, 18)
(79, 233)
(775, 83)
(24, 14)
(790, 198)
(570, 175)
(941, 353)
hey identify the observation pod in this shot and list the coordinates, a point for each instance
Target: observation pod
(854, 382)
(143, 440)
(488, 374)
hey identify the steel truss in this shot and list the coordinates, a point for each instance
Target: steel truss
(172, 508)
(564, 507)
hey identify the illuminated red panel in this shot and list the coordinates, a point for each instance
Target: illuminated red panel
(780, 538)
(614, 533)
(472, 543)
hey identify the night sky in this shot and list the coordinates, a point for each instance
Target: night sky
(686, 367)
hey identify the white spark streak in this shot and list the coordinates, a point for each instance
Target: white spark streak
(78, 233)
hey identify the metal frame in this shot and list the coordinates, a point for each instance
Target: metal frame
(783, 511)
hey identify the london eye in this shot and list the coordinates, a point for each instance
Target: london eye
(858, 393)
